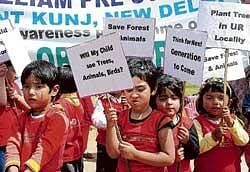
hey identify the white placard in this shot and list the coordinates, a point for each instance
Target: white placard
(184, 54)
(5, 26)
(16, 50)
(214, 64)
(99, 66)
(136, 34)
(227, 24)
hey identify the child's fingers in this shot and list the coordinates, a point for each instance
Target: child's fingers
(180, 154)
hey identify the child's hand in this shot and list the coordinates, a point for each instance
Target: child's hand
(183, 134)
(12, 93)
(179, 154)
(227, 116)
(3, 70)
(127, 150)
(13, 169)
(220, 131)
(111, 117)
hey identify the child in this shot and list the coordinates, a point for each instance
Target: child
(9, 113)
(220, 131)
(147, 141)
(39, 142)
(169, 97)
(3, 103)
(79, 128)
(104, 163)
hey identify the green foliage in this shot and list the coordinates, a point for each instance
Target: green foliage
(191, 89)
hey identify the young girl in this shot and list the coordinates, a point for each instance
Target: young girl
(220, 131)
(147, 143)
(169, 97)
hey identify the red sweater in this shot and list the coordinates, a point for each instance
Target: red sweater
(39, 142)
(78, 130)
(88, 108)
(144, 136)
(224, 158)
(8, 119)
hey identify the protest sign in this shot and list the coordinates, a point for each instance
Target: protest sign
(184, 54)
(214, 64)
(16, 50)
(227, 24)
(5, 26)
(136, 34)
(99, 66)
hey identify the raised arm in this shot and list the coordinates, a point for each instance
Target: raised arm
(3, 97)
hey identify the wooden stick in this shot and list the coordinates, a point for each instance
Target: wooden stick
(224, 88)
(178, 169)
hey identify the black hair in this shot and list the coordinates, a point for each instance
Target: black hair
(66, 80)
(216, 85)
(8, 63)
(173, 84)
(144, 69)
(44, 71)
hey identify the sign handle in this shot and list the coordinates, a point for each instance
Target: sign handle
(224, 88)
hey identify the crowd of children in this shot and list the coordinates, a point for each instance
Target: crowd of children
(149, 127)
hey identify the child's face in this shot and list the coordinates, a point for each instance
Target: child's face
(139, 96)
(213, 102)
(168, 103)
(37, 95)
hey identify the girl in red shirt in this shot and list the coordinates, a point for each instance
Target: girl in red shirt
(168, 99)
(147, 142)
(221, 133)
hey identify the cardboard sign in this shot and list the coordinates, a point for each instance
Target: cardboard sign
(5, 26)
(99, 66)
(136, 35)
(227, 24)
(16, 50)
(184, 54)
(214, 64)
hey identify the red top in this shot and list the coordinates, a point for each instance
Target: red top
(144, 136)
(39, 142)
(8, 118)
(88, 108)
(225, 157)
(78, 130)
(184, 164)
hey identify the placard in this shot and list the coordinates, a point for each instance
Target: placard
(184, 54)
(99, 66)
(136, 35)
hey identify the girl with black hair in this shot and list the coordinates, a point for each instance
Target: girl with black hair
(147, 142)
(221, 133)
(169, 100)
